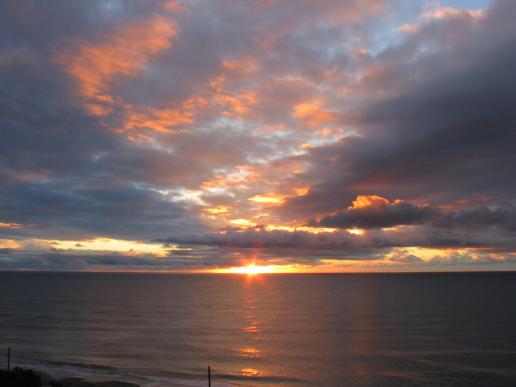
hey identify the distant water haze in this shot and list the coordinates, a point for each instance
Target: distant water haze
(444, 329)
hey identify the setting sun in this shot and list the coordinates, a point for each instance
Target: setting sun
(253, 269)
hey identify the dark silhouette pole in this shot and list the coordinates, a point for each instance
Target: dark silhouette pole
(209, 376)
(8, 358)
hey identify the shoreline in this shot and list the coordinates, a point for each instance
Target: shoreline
(29, 377)
(76, 381)
(32, 377)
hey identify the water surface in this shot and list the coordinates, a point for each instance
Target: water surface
(292, 330)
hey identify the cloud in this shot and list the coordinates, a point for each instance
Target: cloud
(312, 113)
(449, 12)
(121, 212)
(341, 243)
(125, 52)
(9, 244)
(188, 122)
(501, 215)
(445, 135)
(374, 212)
(9, 225)
(161, 119)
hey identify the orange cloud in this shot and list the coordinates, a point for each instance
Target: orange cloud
(9, 225)
(449, 13)
(162, 119)
(408, 28)
(301, 191)
(125, 52)
(174, 6)
(244, 65)
(441, 13)
(237, 105)
(9, 244)
(235, 102)
(269, 199)
(218, 210)
(312, 113)
(241, 222)
(363, 201)
(239, 177)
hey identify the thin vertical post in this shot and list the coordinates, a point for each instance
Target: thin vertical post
(209, 376)
(8, 358)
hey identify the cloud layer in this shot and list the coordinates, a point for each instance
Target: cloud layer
(371, 133)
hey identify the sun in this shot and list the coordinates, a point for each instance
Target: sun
(253, 269)
(250, 269)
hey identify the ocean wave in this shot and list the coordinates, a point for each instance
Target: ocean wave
(99, 372)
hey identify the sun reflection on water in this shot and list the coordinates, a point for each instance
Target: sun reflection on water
(250, 352)
(251, 329)
(251, 372)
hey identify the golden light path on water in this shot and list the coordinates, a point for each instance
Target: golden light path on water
(252, 324)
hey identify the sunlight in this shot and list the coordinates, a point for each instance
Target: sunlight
(355, 231)
(254, 269)
(270, 199)
(242, 223)
(114, 245)
(250, 352)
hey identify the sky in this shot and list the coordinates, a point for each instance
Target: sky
(313, 136)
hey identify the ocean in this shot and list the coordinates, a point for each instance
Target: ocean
(439, 329)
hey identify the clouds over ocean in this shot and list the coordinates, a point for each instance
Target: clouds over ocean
(192, 135)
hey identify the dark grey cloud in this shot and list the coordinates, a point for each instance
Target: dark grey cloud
(105, 261)
(343, 244)
(61, 210)
(446, 134)
(43, 25)
(382, 214)
(500, 216)
(64, 173)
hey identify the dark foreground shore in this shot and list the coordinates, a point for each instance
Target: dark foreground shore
(19, 377)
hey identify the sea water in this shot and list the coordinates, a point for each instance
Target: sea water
(445, 329)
